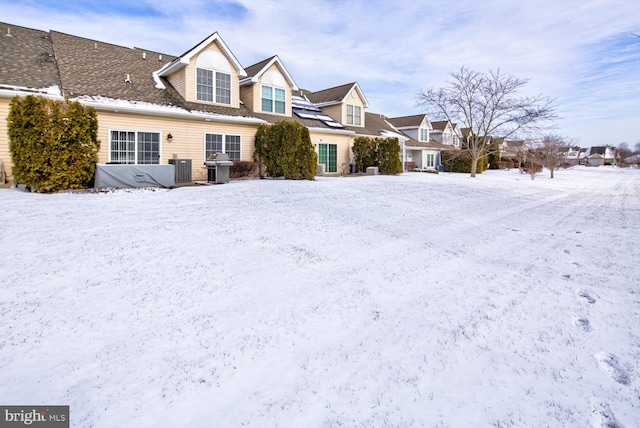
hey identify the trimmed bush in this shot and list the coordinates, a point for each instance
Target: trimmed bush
(460, 161)
(284, 149)
(241, 169)
(389, 162)
(381, 152)
(53, 144)
(365, 153)
(493, 157)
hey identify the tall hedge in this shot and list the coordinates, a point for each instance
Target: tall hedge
(493, 155)
(53, 144)
(284, 149)
(365, 153)
(381, 152)
(460, 161)
(389, 156)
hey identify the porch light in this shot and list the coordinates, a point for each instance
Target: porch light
(169, 137)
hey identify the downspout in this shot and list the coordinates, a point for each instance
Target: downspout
(404, 157)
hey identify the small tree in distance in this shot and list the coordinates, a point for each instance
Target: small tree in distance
(552, 151)
(488, 104)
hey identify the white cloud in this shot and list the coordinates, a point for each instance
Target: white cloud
(394, 49)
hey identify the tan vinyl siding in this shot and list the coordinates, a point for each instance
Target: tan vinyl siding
(178, 81)
(353, 98)
(190, 80)
(343, 143)
(257, 92)
(188, 136)
(251, 95)
(5, 156)
(247, 95)
(335, 111)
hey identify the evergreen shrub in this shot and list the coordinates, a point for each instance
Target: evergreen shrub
(53, 144)
(381, 152)
(241, 169)
(460, 161)
(284, 149)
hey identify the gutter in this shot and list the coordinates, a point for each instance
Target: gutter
(10, 93)
(332, 131)
(178, 112)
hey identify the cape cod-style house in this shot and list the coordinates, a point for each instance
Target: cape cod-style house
(152, 106)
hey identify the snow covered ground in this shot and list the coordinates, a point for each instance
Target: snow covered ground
(407, 301)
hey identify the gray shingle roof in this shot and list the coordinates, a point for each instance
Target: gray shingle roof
(375, 125)
(89, 67)
(439, 125)
(254, 69)
(27, 58)
(335, 94)
(407, 121)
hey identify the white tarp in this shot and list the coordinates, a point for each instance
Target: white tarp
(125, 176)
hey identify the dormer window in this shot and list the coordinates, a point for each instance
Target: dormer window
(354, 115)
(424, 135)
(205, 89)
(273, 100)
(213, 78)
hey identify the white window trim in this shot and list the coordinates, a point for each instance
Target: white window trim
(135, 131)
(426, 132)
(273, 100)
(214, 87)
(353, 107)
(224, 146)
(431, 159)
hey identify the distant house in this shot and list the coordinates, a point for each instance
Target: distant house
(421, 152)
(510, 148)
(575, 156)
(446, 133)
(633, 160)
(601, 155)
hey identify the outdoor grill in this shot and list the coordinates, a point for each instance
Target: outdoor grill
(218, 168)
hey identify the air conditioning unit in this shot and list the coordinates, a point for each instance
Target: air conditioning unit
(320, 170)
(183, 171)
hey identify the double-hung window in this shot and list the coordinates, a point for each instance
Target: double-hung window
(220, 143)
(134, 147)
(273, 99)
(424, 135)
(354, 115)
(213, 86)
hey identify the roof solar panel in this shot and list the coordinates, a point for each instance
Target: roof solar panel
(300, 102)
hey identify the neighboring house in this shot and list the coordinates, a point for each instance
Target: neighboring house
(575, 155)
(446, 133)
(421, 152)
(595, 159)
(511, 148)
(633, 160)
(345, 104)
(152, 106)
(601, 155)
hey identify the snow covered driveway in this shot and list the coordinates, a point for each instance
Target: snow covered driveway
(408, 301)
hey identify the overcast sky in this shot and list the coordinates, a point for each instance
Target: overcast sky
(583, 53)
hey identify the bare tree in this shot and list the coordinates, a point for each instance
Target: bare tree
(552, 151)
(489, 105)
(622, 152)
